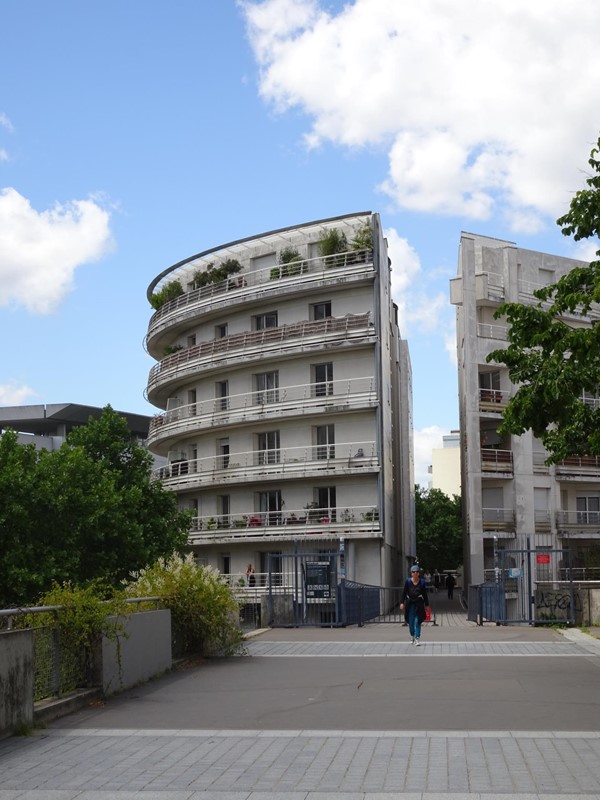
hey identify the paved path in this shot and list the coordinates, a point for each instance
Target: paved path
(147, 744)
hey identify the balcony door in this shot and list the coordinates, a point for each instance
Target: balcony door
(267, 387)
(588, 510)
(270, 505)
(268, 447)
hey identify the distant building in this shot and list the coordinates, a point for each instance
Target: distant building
(511, 498)
(284, 390)
(46, 426)
(445, 465)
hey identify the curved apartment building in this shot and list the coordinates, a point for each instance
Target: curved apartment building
(284, 393)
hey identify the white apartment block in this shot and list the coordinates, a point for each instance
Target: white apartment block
(509, 494)
(284, 391)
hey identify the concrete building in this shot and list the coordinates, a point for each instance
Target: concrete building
(445, 465)
(285, 395)
(46, 426)
(511, 499)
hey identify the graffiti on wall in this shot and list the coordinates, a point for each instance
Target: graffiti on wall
(555, 604)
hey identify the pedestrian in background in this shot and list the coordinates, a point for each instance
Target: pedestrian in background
(437, 579)
(450, 584)
(414, 602)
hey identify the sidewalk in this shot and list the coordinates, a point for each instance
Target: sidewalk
(361, 696)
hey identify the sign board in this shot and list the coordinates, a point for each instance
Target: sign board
(542, 558)
(317, 580)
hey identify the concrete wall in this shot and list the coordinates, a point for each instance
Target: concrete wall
(16, 680)
(141, 652)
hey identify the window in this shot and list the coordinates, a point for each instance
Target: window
(263, 321)
(588, 510)
(320, 310)
(191, 399)
(270, 505)
(223, 510)
(222, 395)
(326, 501)
(324, 438)
(225, 559)
(191, 340)
(323, 379)
(267, 387)
(221, 331)
(489, 385)
(222, 453)
(268, 447)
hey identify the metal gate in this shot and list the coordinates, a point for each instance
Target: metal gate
(536, 586)
(305, 589)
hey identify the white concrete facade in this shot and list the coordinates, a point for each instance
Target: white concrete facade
(509, 495)
(285, 402)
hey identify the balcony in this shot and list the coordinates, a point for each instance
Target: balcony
(493, 401)
(260, 283)
(576, 468)
(357, 522)
(578, 524)
(489, 288)
(316, 461)
(498, 520)
(250, 407)
(488, 330)
(498, 462)
(256, 344)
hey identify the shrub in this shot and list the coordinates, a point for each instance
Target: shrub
(363, 238)
(332, 242)
(168, 292)
(212, 274)
(204, 611)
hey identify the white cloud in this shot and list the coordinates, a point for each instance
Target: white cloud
(5, 122)
(481, 106)
(425, 440)
(40, 250)
(13, 394)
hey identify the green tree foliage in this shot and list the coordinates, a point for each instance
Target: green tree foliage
(87, 511)
(204, 612)
(553, 362)
(168, 292)
(439, 529)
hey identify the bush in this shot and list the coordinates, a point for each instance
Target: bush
(363, 238)
(168, 292)
(204, 611)
(334, 241)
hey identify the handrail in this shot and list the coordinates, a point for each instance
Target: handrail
(309, 515)
(321, 392)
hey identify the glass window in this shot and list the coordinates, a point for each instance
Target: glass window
(323, 379)
(263, 321)
(268, 447)
(267, 387)
(321, 310)
(324, 437)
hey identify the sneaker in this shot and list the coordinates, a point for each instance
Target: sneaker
(413, 640)
(417, 642)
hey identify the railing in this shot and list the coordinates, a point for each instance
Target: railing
(351, 393)
(578, 519)
(578, 464)
(348, 456)
(304, 271)
(283, 525)
(487, 330)
(191, 358)
(493, 399)
(526, 291)
(498, 518)
(493, 460)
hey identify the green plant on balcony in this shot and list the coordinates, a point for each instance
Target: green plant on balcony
(363, 238)
(332, 243)
(211, 524)
(290, 264)
(240, 522)
(168, 292)
(370, 516)
(172, 348)
(216, 274)
(347, 516)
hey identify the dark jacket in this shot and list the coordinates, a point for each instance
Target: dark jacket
(415, 594)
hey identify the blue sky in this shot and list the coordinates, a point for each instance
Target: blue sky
(136, 133)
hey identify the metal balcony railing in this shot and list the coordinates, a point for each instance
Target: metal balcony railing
(493, 460)
(342, 458)
(488, 330)
(232, 409)
(296, 273)
(500, 519)
(579, 519)
(582, 465)
(272, 340)
(285, 525)
(493, 399)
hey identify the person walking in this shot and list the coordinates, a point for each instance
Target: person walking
(414, 602)
(450, 584)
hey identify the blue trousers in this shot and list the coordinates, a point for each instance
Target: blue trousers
(414, 625)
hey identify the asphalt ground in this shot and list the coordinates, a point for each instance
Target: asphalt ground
(476, 712)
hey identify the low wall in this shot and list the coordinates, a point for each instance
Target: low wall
(16, 680)
(141, 652)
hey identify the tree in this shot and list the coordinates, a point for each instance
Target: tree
(85, 512)
(553, 362)
(439, 529)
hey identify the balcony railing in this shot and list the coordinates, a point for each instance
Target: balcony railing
(347, 394)
(191, 359)
(498, 519)
(302, 272)
(487, 330)
(493, 460)
(588, 466)
(493, 399)
(589, 520)
(284, 525)
(344, 458)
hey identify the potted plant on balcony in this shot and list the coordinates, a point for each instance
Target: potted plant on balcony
(332, 243)
(290, 264)
(172, 348)
(168, 292)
